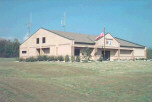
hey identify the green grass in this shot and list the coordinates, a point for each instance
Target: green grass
(75, 82)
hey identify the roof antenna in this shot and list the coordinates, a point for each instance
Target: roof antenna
(63, 24)
(29, 25)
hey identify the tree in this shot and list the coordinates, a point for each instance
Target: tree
(9, 48)
(86, 52)
(149, 53)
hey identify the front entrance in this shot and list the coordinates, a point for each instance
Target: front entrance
(107, 55)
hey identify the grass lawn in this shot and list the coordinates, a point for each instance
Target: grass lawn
(75, 82)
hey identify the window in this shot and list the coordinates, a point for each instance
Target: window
(23, 52)
(46, 50)
(43, 40)
(37, 40)
(110, 42)
(77, 52)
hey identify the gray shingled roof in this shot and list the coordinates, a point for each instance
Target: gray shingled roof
(85, 38)
(127, 43)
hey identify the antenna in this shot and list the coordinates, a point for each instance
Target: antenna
(29, 25)
(63, 22)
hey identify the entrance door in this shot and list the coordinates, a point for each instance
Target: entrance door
(107, 55)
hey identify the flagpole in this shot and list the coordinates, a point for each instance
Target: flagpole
(104, 44)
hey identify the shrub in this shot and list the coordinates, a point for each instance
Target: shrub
(86, 52)
(67, 58)
(55, 58)
(100, 59)
(85, 61)
(45, 58)
(60, 58)
(72, 58)
(31, 59)
(77, 58)
(42, 58)
(51, 58)
(149, 53)
(21, 59)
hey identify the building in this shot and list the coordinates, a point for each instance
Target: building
(51, 42)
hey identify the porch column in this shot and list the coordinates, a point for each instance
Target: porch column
(145, 54)
(118, 54)
(93, 54)
(133, 55)
(40, 51)
(72, 50)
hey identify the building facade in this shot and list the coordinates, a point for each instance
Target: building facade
(55, 43)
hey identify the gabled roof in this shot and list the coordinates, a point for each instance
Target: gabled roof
(90, 39)
(77, 37)
(125, 43)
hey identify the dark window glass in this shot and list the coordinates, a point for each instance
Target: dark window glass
(43, 40)
(37, 40)
(23, 52)
(77, 52)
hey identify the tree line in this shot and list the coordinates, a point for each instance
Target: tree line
(9, 48)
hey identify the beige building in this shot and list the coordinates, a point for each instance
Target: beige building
(50, 42)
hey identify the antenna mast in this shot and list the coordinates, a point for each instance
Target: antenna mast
(29, 25)
(63, 24)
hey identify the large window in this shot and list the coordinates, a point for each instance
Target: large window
(37, 40)
(46, 50)
(23, 52)
(43, 40)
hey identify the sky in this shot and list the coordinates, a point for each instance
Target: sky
(127, 19)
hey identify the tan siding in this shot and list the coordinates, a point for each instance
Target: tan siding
(51, 40)
(108, 37)
(139, 52)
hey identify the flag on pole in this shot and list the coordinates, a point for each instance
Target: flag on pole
(101, 35)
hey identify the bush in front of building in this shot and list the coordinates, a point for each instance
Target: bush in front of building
(100, 59)
(55, 58)
(77, 58)
(67, 59)
(21, 59)
(45, 58)
(86, 52)
(51, 58)
(85, 61)
(72, 58)
(141, 58)
(42, 58)
(60, 58)
(31, 59)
